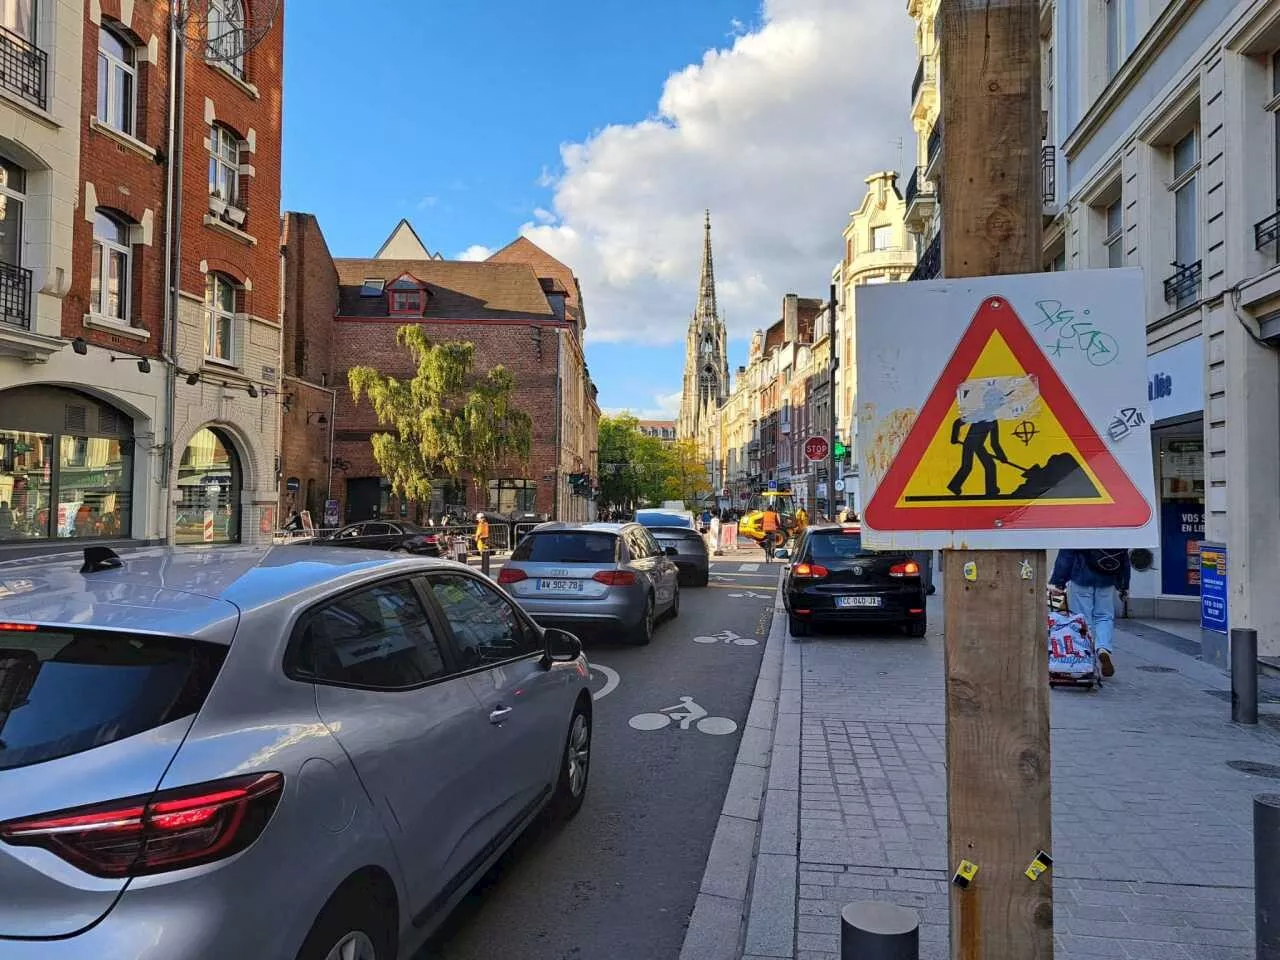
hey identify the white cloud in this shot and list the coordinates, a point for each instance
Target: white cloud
(666, 406)
(775, 134)
(427, 202)
(543, 216)
(476, 251)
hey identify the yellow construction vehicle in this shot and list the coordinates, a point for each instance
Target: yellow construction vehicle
(782, 501)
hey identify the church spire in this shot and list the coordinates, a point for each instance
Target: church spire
(707, 281)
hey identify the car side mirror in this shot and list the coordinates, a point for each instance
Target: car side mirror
(782, 553)
(561, 645)
(671, 551)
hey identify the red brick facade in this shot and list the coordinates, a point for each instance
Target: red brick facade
(126, 174)
(321, 345)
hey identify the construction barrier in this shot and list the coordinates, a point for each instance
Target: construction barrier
(728, 536)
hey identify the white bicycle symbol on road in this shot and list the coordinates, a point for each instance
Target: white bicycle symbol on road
(750, 596)
(688, 713)
(728, 636)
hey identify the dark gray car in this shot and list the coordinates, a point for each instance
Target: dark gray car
(285, 753)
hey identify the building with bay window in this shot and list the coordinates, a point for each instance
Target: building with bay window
(1168, 123)
(100, 436)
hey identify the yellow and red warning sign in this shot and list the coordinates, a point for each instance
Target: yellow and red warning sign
(1001, 443)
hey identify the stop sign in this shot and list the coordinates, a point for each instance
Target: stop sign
(817, 448)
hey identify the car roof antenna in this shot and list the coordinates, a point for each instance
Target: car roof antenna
(100, 558)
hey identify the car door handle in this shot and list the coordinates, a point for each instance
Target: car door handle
(499, 714)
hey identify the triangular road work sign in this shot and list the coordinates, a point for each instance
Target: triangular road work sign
(1002, 444)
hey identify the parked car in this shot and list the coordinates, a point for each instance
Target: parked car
(610, 577)
(833, 579)
(386, 535)
(692, 558)
(268, 753)
(666, 518)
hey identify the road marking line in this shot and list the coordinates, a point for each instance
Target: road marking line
(749, 567)
(611, 681)
(737, 586)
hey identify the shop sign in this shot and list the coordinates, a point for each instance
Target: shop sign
(1175, 380)
(1213, 587)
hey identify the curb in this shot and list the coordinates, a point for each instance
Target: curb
(746, 903)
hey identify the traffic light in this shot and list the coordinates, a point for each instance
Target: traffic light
(842, 451)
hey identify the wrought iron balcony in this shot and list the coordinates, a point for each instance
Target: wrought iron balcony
(915, 84)
(1048, 174)
(24, 68)
(15, 296)
(935, 141)
(1267, 230)
(919, 185)
(930, 263)
(1184, 286)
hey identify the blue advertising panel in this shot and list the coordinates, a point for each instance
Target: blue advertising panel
(1213, 586)
(1181, 530)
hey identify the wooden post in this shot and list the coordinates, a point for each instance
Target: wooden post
(997, 696)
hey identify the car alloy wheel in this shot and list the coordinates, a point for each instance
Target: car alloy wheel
(356, 945)
(578, 754)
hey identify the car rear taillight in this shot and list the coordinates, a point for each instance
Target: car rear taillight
(809, 571)
(908, 569)
(170, 830)
(615, 578)
(511, 575)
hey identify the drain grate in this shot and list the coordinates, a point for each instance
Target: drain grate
(1254, 769)
(1226, 695)
(1155, 668)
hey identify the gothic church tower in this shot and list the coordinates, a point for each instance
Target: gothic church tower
(706, 362)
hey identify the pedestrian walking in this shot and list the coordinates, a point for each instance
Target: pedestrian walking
(706, 519)
(482, 533)
(1093, 579)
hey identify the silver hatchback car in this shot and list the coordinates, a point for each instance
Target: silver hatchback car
(583, 576)
(270, 754)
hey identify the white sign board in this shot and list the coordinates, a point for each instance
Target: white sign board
(1175, 380)
(1005, 413)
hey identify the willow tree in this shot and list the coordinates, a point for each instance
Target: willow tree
(446, 421)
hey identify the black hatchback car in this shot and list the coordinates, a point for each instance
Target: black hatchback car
(832, 579)
(385, 535)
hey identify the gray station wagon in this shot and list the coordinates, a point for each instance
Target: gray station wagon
(267, 754)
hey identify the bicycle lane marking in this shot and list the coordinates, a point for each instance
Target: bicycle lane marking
(611, 680)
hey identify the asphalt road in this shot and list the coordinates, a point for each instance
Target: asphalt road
(619, 881)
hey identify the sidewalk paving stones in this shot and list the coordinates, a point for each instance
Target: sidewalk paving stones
(1153, 854)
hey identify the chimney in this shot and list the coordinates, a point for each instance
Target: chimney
(790, 318)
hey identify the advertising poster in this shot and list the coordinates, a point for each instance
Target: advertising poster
(1213, 586)
(1181, 530)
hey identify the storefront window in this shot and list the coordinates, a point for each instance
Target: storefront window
(208, 491)
(94, 482)
(512, 496)
(25, 482)
(1181, 514)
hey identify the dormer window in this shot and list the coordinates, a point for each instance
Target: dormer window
(405, 297)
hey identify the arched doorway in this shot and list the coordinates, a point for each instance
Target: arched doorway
(66, 466)
(209, 484)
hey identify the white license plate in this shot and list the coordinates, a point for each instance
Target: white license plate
(559, 586)
(857, 601)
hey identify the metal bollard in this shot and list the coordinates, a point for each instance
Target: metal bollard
(880, 931)
(1266, 875)
(1244, 675)
(484, 562)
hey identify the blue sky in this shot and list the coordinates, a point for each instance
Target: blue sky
(478, 121)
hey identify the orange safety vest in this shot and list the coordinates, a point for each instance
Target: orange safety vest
(769, 522)
(482, 535)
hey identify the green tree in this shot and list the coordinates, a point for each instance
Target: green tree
(634, 467)
(446, 420)
(686, 473)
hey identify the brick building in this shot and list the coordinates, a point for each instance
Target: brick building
(135, 408)
(521, 309)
